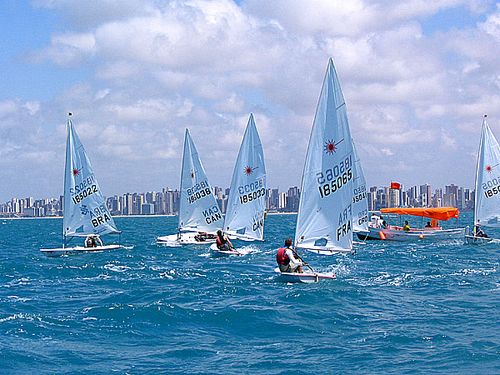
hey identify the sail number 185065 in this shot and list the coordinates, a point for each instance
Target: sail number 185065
(334, 178)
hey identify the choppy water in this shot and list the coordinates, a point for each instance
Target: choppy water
(394, 308)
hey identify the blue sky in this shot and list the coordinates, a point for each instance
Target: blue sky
(417, 78)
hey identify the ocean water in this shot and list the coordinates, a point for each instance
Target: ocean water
(393, 309)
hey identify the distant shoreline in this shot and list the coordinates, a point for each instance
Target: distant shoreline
(121, 216)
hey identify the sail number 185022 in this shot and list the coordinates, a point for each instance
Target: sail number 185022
(334, 178)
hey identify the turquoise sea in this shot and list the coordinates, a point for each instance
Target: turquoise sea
(394, 309)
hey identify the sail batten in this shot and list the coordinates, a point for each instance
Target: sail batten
(198, 211)
(247, 195)
(85, 210)
(324, 222)
(487, 192)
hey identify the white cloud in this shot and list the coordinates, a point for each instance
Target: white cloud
(32, 107)
(386, 151)
(448, 142)
(492, 24)
(69, 48)
(160, 67)
(7, 107)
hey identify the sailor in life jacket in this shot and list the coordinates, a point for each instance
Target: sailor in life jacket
(286, 258)
(93, 240)
(223, 243)
(478, 232)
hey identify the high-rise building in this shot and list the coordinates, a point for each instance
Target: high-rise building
(394, 198)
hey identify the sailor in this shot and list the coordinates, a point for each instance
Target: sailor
(201, 237)
(478, 232)
(406, 227)
(384, 223)
(93, 240)
(287, 258)
(428, 225)
(223, 242)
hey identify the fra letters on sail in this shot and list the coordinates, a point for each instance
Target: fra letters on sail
(344, 227)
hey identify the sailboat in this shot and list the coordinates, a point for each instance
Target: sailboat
(199, 214)
(487, 192)
(85, 214)
(359, 200)
(324, 220)
(246, 203)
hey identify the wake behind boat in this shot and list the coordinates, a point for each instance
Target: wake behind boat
(199, 214)
(85, 214)
(487, 192)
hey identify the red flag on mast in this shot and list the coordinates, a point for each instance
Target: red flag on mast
(395, 185)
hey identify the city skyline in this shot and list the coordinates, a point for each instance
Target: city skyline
(166, 201)
(417, 78)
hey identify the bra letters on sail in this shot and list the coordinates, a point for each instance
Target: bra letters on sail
(85, 210)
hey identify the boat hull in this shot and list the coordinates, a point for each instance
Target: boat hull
(304, 277)
(361, 235)
(391, 234)
(217, 253)
(78, 249)
(186, 238)
(473, 240)
(323, 251)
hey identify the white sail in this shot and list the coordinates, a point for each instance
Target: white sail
(85, 210)
(324, 221)
(247, 195)
(487, 209)
(198, 209)
(359, 197)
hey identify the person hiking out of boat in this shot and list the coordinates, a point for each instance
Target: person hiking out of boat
(201, 237)
(204, 236)
(287, 258)
(223, 242)
(93, 240)
(406, 227)
(478, 232)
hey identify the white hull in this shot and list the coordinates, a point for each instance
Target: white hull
(397, 234)
(243, 238)
(305, 277)
(214, 250)
(78, 249)
(327, 251)
(186, 238)
(473, 240)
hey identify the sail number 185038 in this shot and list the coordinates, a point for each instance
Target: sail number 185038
(334, 178)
